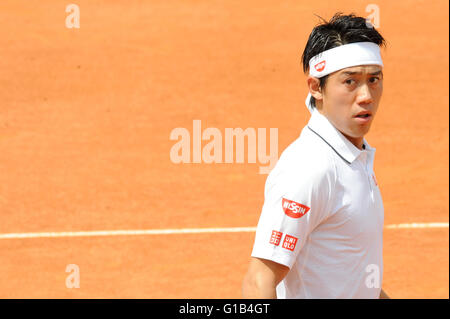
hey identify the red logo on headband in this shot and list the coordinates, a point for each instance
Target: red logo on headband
(320, 66)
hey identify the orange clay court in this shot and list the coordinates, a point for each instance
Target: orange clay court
(85, 120)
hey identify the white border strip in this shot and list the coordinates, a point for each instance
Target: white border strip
(179, 231)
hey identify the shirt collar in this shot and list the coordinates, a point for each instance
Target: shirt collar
(321, 126)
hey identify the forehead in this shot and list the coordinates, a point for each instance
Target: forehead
(360, 69)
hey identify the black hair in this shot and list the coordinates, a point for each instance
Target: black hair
(340, 30)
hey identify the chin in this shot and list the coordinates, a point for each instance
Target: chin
(355, 134)
(360, 131)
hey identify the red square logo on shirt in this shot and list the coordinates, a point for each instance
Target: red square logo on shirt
(275, 238)
(290, 242)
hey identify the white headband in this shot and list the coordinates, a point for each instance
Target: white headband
(341, 57)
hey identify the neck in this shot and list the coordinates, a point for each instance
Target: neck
(357, 141)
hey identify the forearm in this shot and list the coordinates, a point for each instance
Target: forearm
(258, 288)
(262, 279)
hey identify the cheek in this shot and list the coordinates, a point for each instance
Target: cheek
(342, 104)
(380, 92)
(338, 101)
(337, 96)
(341, 115)
(377, 97)
(343, 97)
(338, 105)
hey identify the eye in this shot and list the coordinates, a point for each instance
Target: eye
(349, 81)
(374, 79)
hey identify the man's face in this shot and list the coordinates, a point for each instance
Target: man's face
(350, 99)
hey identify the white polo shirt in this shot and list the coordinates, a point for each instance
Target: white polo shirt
(323, 217)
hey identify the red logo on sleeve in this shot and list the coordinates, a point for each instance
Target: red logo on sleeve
(293, 209)
(275, 237)
(290, 242)
(320, 66)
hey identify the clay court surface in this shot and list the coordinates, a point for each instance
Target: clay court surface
(85, 120)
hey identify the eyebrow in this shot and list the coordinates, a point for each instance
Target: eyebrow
(353, 73)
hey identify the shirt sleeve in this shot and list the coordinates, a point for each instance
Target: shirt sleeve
(296, 201)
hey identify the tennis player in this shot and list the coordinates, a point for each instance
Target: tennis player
(321, 226)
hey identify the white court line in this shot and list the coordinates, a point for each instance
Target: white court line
(129, 232)
(178, 231)
(418, 225)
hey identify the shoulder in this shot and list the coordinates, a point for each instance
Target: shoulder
(307, 161)
(307, 155)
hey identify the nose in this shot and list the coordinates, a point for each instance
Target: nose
(364, 95)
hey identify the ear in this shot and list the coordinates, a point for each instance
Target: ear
(314, 88)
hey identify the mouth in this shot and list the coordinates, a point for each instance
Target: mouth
(364, 116)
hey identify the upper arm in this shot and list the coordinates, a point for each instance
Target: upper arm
(267, 270)
(296, 201)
